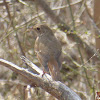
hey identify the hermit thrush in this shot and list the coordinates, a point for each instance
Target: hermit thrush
(48, 50)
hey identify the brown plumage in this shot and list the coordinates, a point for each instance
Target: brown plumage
(48, 50)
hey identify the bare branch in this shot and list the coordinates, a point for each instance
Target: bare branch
(55, 88)
(13, 26)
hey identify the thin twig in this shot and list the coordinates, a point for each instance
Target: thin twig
(12, 23)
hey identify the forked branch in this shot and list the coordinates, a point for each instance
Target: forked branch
(55, 88)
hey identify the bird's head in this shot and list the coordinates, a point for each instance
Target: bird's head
(42, 29)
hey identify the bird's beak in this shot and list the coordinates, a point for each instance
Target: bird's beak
(29, 29)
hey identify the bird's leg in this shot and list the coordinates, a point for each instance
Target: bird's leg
(44, 73)
(45, 70)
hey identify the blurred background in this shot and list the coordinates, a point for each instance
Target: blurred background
(80, 48)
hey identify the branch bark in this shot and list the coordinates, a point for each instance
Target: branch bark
(55, 88)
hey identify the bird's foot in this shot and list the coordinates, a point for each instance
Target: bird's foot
(44, 73)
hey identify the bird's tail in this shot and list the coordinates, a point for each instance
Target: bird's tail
(54, 69)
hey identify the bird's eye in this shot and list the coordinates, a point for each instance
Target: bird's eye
(38, 28)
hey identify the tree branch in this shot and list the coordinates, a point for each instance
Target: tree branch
(55, 88)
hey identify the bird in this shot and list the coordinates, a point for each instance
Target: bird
(48, 50)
